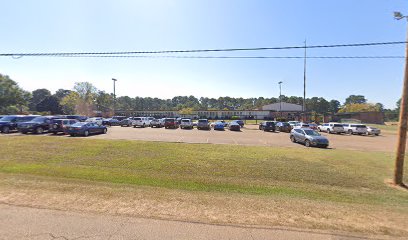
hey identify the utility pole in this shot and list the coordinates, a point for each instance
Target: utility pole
(403, 119)
(280, 98)
(114, 95)
(304, 84)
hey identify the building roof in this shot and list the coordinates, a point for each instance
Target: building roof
(284, 107)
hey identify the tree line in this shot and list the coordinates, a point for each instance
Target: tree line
(86, 99)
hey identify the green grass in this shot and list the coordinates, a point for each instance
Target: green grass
(316, 174)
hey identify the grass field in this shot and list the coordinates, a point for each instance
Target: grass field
(294, 187)
(330, 175)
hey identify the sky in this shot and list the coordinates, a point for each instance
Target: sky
(102, 26)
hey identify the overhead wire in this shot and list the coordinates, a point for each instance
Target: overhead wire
(131, 53)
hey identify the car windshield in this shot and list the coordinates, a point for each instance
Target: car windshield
(202, 121)
(269, 123)
(170, 120)
(185, 120)
(311, 132)
(8, 118)
(79, 124)
(137, 119)
(337, 125)
(24, 119)
(38, 119)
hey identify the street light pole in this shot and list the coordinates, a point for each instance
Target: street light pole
(403, 119)
(114, 95)
(280, 98)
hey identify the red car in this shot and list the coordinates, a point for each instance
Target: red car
(171, 123)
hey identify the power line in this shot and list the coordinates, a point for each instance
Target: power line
(233, 57)
(57, 54)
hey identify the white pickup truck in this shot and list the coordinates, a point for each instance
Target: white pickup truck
(331, 128)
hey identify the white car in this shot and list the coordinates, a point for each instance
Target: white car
(97, 120)
(140, 122)
(186, 123)
(301, 125)
(293, 123)
(352, 128)
(331, 128)
(373, 131)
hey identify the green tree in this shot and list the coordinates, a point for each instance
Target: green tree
(38, 96)
(13, 99)
(355, 99)
(69, 103)
(50, 104)
(360, 107)
(334, 106)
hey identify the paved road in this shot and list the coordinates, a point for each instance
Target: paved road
(31, 223)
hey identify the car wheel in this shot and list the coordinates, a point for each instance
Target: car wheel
(143, 125)
(377, 134)
(39, 130)
(55, 133)
(5, 130)
(260, 128)
(328, 131)
(319, 129)
(72, 135)
(307, 143)
(350, 131)
(86, 133)
(24, 132)
(292, 138)
(105, 131)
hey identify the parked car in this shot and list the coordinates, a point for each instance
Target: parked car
(77, 117)
(127, 122)
(195, 123)
(140, 122)
(331, 128)
(158, 123)
(313, 126)
(170, 123)
(373, 131)
(59, 125)
(233, 126)
(293, 123)
(203, 124)
(240, 122)
(267, 126)
(283, 127)
(186, 123)
(85, 129)
(352, 128)
(97, 120)
(309, 137)
(37, 125)
(119, 118)
(302, 125)
(218, 126)
(150, 119)
(9, 123)
(110, 122)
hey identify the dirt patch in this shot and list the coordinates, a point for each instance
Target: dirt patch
(217, 208)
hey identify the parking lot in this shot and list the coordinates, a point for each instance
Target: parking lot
(249, 135)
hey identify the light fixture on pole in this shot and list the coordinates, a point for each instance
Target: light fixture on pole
(280, 97)
(114, 95)
(403, 119)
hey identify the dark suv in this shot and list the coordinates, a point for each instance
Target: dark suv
(9, 123)
(267, 126)
(37, 125)
(58, 125)
(170, 123)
